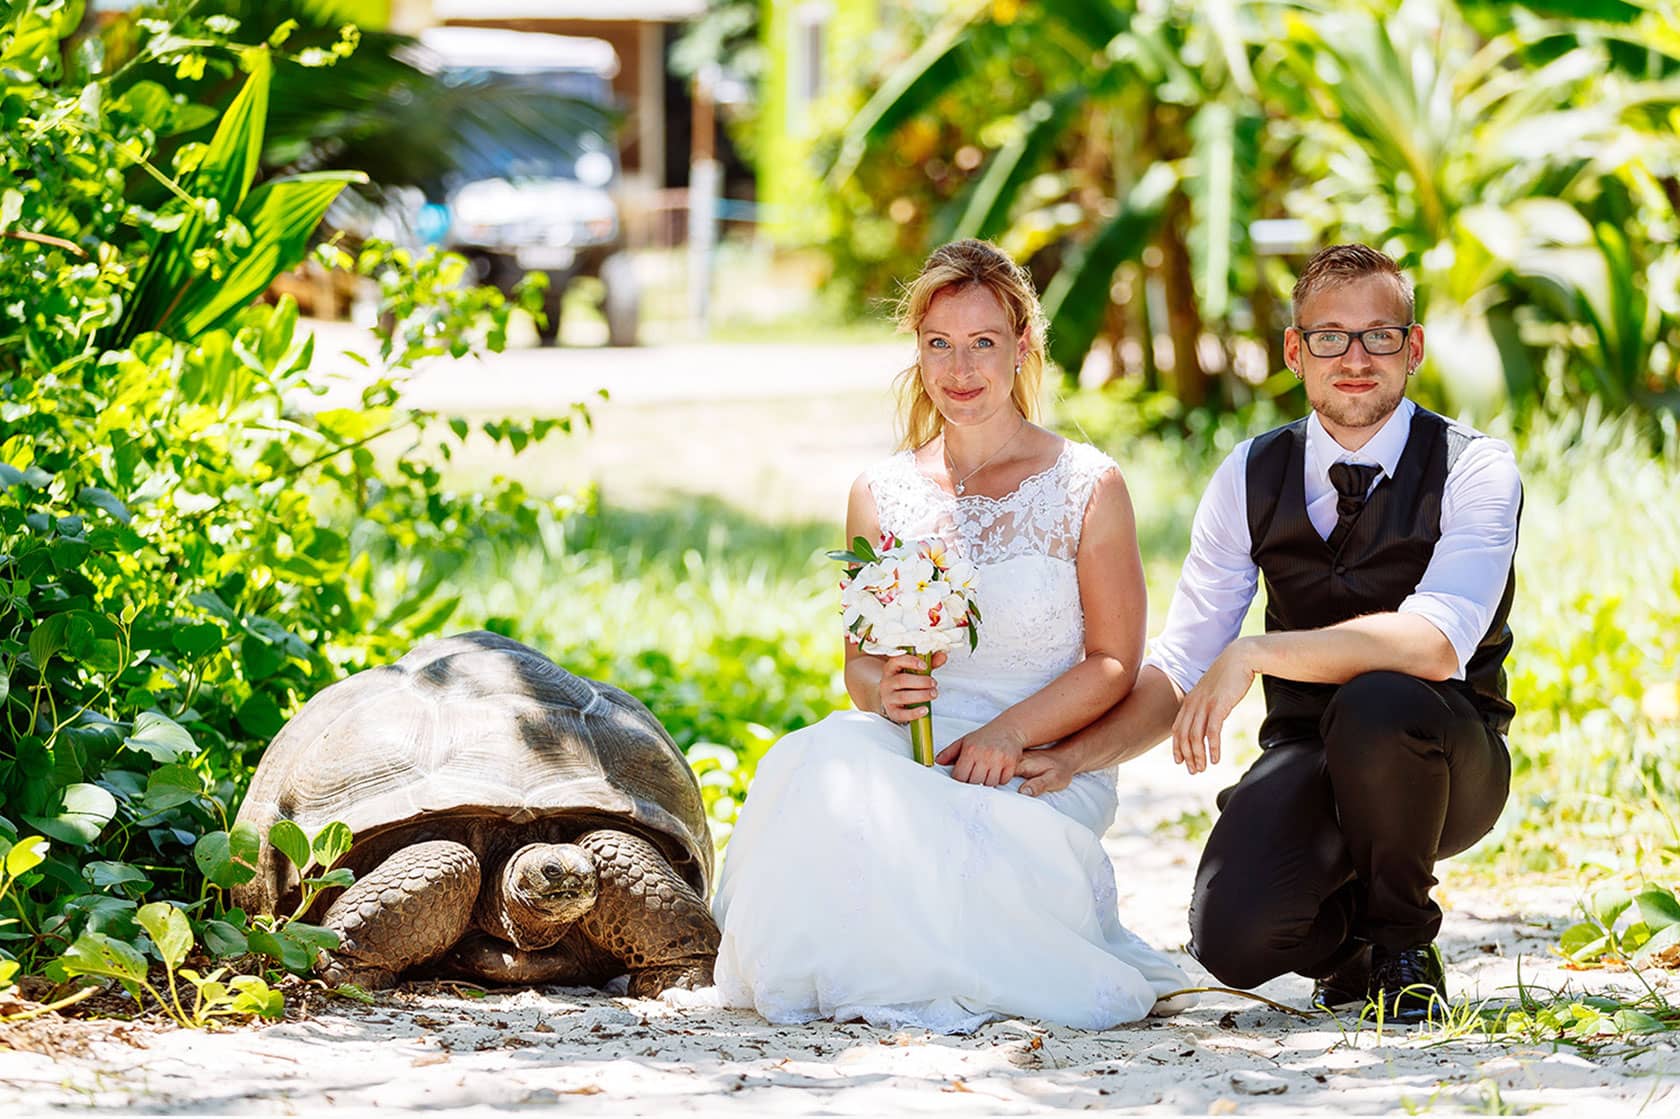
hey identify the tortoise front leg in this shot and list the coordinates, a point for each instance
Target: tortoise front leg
(574, 962)
(647, 917)
(405, 912)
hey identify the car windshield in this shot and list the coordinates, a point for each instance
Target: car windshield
(544, 127)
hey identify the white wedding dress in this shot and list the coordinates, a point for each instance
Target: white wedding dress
(859, 884)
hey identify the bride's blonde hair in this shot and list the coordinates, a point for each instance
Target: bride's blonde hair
(955, 266)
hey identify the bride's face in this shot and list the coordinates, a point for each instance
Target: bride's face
(968, 354)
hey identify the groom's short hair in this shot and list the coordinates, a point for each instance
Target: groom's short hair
(1339, 264)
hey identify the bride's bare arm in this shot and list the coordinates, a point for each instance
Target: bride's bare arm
(1111, 592)
(885, 685)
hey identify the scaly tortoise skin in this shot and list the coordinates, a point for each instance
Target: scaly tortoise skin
(513, 823)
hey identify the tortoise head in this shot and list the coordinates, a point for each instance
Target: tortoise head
(545, 887)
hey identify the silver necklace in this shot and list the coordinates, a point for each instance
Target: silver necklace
(959, 484)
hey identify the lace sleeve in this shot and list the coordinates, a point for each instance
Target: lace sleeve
(1086, 467)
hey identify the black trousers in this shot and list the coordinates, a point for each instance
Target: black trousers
(1330, 842)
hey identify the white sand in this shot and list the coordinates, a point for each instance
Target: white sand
(591, 1053)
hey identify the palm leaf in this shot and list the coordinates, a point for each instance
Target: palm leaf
(281, 214)
(1077, 298)
(941, 63)
(224, 175)
(987, 207)
(1097, 22)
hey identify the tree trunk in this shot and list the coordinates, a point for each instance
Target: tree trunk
(1184, 319)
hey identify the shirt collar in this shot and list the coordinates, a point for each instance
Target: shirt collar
(1384, 448)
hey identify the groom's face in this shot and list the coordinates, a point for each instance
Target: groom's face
(1354, 392)
(968, 354)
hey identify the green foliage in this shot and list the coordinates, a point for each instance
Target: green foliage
(171, 938)
(185, 531)
(1625, 927)
(1523, 168)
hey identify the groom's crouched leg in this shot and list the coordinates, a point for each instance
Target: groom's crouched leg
(1268, 897)
(1416, 776)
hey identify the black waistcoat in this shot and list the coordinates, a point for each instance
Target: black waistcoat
(1380, 563)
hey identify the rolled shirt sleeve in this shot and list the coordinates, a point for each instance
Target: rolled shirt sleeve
(1465, 579)
(1217, 583)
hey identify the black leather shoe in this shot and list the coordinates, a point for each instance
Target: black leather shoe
(1409, 981)
(1349, 983)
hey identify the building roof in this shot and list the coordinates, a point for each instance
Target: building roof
(613, 10)
(496, 49)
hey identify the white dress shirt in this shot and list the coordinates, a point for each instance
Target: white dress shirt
(1460, 588)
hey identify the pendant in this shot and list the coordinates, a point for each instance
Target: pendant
(959, 489)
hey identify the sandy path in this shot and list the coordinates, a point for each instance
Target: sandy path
(595, 1054)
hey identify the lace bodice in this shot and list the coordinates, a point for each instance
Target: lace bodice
(1024, 544)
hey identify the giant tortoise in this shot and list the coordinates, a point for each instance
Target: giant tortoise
(513, 823)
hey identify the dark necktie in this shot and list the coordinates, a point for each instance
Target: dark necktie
(1352, 481)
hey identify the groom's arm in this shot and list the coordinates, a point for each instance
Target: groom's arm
(1215, 588)
(1129, 728)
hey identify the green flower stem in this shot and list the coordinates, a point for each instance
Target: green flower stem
(921, 729)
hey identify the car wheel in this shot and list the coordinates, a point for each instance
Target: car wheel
(549, 332)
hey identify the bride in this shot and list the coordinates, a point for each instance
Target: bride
(859, 884)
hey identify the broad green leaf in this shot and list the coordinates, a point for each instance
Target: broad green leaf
(259, 717)
(104, 874)
(172, 785)
(229, 858)
(342, 876)
(293, 955)
(106, 500)
(1658, 908)
(1077, 299)
(26, 854)
(1638, 1022)
(1662, 942)
(1578, 939)
(314, 938)
(253, 995)
(160, 737)
(48, 637)
(290, 841)
(331, 844)
(197, 639)
(223, 939)
(1609, 903)
(169, 929)
(85, 810)
(99, 955)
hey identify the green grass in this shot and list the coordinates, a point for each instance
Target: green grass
(725, 624)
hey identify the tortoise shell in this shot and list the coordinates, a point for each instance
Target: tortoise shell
(471, 729)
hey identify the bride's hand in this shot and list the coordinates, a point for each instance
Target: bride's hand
(907, 688)
(987, 756)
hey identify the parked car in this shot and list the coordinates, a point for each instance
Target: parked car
(539, 193)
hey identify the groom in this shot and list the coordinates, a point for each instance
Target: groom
(1385, 536)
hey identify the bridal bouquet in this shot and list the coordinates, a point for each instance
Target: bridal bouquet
(909, 597)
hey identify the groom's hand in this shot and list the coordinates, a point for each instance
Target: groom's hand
(1045, 771)
(1201, 717)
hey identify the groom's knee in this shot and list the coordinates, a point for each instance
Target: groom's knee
(1231, 937)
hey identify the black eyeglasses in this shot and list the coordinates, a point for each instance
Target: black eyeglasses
(1379, 341)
